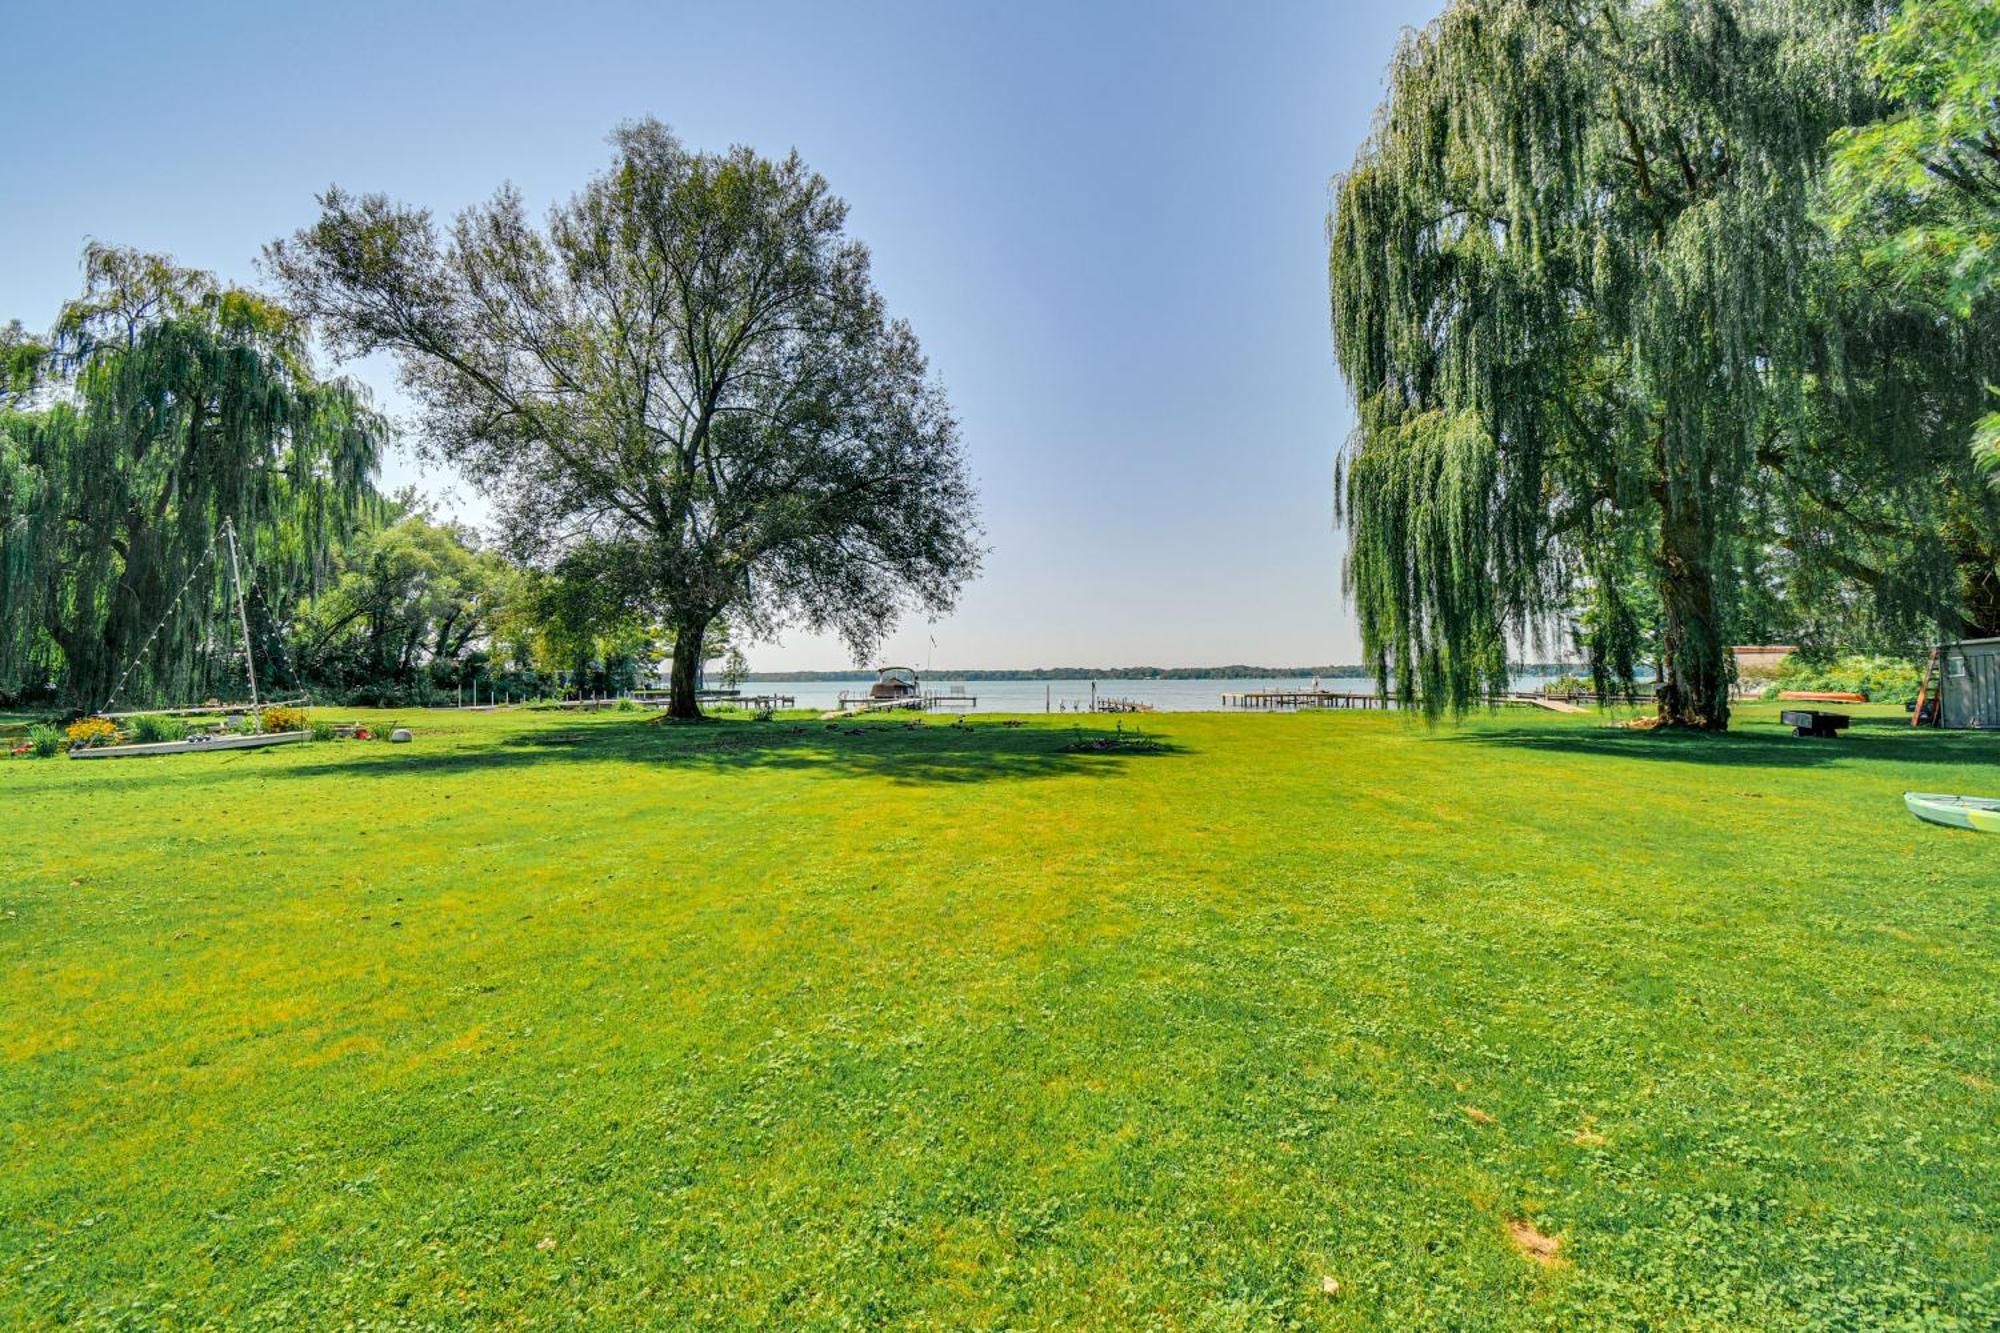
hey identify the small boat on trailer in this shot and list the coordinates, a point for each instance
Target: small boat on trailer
(193, 745)
(1978, 813)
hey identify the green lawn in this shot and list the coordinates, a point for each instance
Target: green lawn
(798, 1025)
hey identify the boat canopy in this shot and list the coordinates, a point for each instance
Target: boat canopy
(893, 683)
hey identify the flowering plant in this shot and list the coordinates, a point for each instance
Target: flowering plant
(285, 719)
(91, 731)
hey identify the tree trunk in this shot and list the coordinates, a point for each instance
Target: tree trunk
(75, 687)
(682, 704)
(1694, 690)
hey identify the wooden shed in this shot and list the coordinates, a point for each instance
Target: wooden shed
(1961, 686)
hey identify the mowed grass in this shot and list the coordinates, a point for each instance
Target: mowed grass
(793, 1025)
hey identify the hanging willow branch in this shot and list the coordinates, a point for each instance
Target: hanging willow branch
(166, 404)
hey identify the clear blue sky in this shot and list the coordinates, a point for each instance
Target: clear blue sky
(1105, 222)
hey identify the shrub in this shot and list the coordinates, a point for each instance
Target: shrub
(45, 741)
(91, 732)
(1892, 680)
(286, 719)
(155, 727)
(1570, 684)
(380, 696)
(322, 730)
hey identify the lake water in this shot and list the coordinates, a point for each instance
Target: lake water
(1069, 696)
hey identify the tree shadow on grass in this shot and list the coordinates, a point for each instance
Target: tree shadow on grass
(1755, 745)
(901, 754)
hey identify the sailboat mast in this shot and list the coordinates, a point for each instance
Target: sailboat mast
(242, 612)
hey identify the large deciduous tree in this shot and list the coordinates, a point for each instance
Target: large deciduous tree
(163, 404)
(689, 364)
(1572, 276)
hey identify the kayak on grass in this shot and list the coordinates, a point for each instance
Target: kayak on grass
(1979, 813)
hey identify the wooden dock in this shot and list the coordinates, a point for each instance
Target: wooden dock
(756, 703)
(717, 699)
(1285, 700)
(1293, 699)
(906, 703)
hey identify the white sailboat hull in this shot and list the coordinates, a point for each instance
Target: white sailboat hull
(191, 746)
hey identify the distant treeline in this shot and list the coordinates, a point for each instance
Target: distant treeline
(1235, 671)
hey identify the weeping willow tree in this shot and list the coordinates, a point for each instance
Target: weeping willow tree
(163, 404)
(1570, 275)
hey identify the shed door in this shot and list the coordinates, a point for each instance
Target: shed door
(1984, 679)
(1971, 687)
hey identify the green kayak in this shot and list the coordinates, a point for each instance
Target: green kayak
(1981, 813)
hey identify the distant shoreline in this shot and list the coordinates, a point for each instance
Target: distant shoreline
(1351, 671)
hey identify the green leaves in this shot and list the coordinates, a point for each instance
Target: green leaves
(173, 403)
(1986, 444)
(1919, 189)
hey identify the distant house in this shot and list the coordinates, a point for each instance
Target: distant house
(1962, 686)
(1760, 660)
